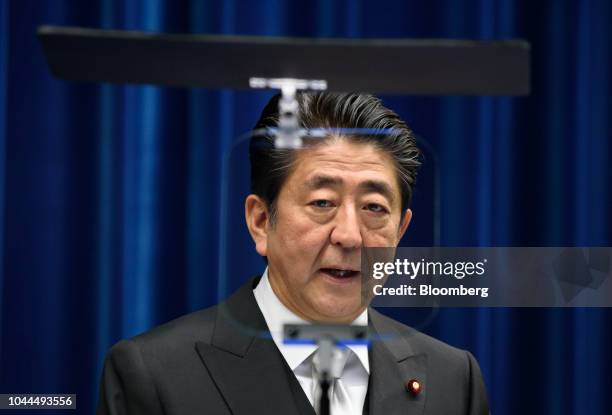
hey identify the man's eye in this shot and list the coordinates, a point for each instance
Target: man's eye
(322, 203)
(376, 208)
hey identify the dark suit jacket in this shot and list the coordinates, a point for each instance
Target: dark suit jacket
(222, 360)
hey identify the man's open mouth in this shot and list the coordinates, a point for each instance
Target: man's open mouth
(340, 273)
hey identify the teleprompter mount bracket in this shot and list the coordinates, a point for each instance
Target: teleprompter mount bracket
(288, 134)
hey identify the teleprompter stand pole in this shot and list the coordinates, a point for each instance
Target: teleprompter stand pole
(327, 337)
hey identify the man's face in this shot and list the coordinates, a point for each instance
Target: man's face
(340, 197)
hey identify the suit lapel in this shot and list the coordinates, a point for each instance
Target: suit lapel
(393, 364)
(253, 377)
(245, 364)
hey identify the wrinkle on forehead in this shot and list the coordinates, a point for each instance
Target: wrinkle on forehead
(348, 154)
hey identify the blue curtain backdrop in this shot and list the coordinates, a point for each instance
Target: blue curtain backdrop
(120, 206)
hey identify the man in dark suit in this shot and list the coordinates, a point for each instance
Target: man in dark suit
(310, 213)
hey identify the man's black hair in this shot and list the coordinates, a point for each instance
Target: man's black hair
(270, 166)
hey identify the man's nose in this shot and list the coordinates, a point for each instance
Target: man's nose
(347, 230)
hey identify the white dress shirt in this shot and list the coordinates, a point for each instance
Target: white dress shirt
(299, 357)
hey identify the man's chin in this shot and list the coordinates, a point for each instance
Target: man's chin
(338, 314)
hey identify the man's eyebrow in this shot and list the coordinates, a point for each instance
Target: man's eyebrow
(377, 186)
(321, 181)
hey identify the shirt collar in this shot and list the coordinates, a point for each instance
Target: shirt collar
(277, 314)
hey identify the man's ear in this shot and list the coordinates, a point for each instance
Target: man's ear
(257, 219)
(404, 225)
